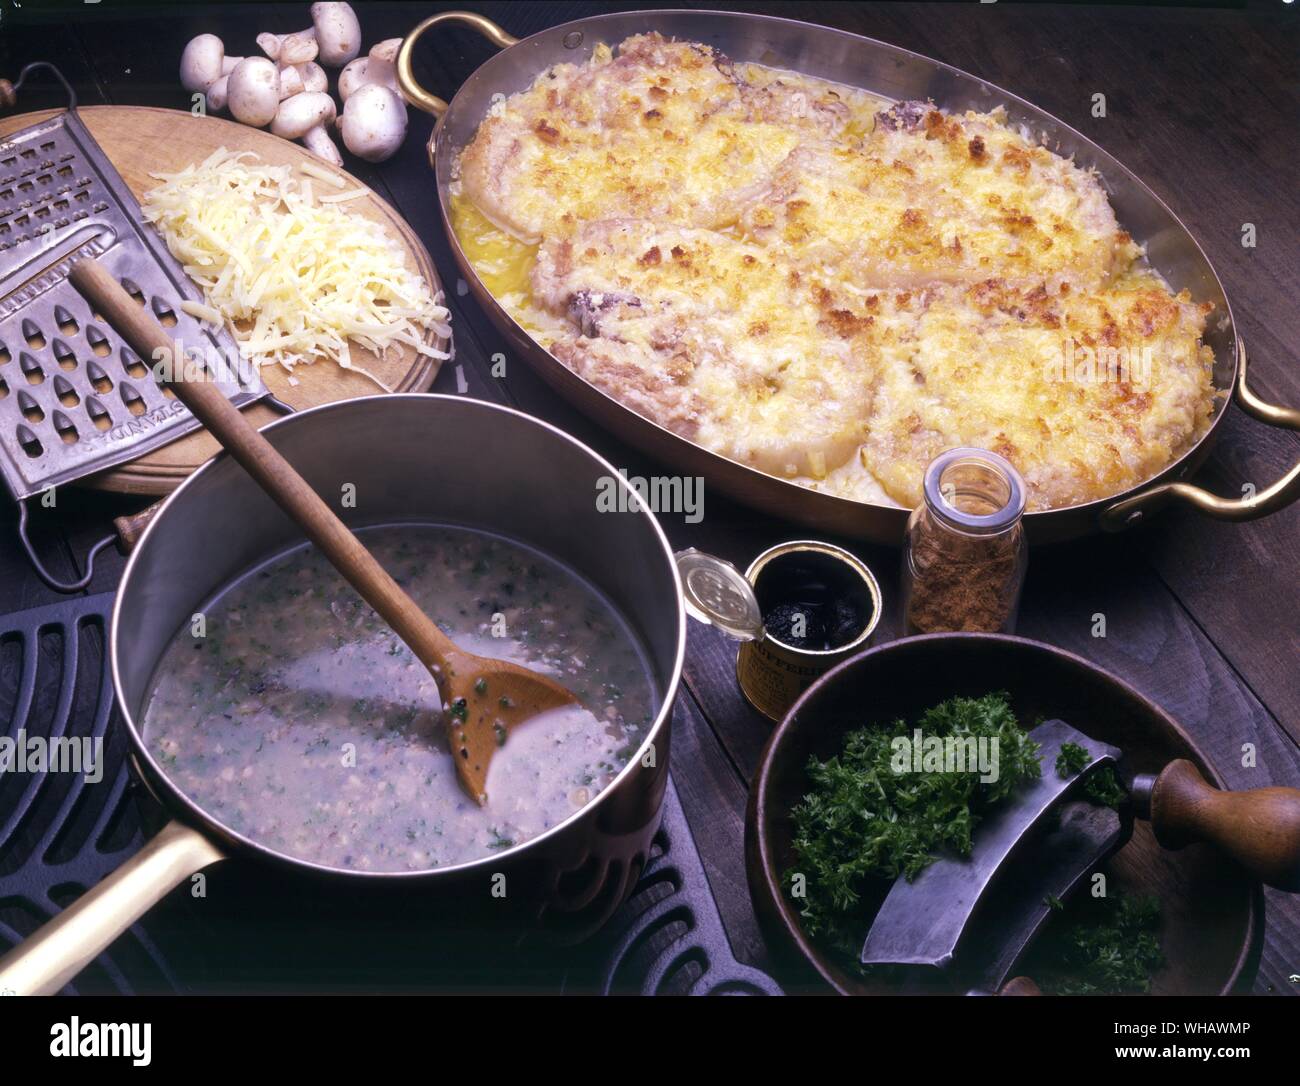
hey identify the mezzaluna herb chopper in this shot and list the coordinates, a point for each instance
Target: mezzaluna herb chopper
(75, 399)
(974, 916)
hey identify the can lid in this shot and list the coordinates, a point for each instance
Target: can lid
(717, 594)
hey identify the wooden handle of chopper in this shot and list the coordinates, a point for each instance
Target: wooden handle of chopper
(1260, 828)
(271, 470)
(1020, 986)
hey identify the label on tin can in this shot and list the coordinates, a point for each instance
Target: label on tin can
(772, 676)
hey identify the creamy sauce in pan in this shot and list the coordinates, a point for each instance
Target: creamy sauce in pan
(301, 721)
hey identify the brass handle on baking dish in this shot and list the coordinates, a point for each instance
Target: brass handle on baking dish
(411, 89)
(61, 948)
(1125, 513)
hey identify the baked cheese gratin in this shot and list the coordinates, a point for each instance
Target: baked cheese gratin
(827, 286)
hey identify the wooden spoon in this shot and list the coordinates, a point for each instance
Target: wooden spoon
(483, 699)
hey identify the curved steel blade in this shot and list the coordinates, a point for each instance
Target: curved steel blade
(921, 922)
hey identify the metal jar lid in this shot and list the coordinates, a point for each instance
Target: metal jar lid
(716, 593)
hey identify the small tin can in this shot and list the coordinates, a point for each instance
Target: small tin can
(799, 609)
(773, 671)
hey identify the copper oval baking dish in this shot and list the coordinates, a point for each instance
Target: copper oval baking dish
(894, 73)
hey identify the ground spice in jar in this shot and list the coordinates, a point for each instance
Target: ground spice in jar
(963, 583)
(964, 561)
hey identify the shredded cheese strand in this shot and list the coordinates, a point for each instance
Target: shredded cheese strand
(321, 174)
(343, 197)
(296, 278)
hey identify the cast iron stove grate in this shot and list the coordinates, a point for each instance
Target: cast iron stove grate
(60, 834)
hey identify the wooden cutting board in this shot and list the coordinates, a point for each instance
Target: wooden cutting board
(141, 140)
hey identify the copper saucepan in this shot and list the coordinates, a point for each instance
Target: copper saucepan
(893, 73)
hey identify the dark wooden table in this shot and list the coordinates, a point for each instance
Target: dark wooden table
(1200, 616)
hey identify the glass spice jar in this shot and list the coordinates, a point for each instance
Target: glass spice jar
(965, 555)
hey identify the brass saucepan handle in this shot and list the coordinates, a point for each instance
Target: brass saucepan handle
(1125, 513)
(60, 949)
(411, 89)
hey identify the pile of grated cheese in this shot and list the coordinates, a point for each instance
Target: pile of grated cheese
(295, 278)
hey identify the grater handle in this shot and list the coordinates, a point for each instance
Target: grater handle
(66, 587)
(127, 531)
(9, 91)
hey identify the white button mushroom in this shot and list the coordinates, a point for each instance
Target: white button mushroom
(373, 122)
(296, 48)
(306, 117)
(334, 36)
(218, 94)
(204, 61)
(290, 82)
(254, 91)
(297, 78)
(318, 142)
(337, 33)
(314, 77)
(302, 112)
(254, 87)
(377, 67)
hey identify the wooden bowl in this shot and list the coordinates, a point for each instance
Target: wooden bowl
(1212, 910)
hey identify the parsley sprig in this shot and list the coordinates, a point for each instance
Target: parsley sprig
(1100, 946)
(862, 825)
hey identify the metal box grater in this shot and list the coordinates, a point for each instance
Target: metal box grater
(74, 398)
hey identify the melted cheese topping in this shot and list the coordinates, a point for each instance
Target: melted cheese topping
(702, 331)
(665, 130)
(959, 200)
(1086, 394)
(826, 289)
